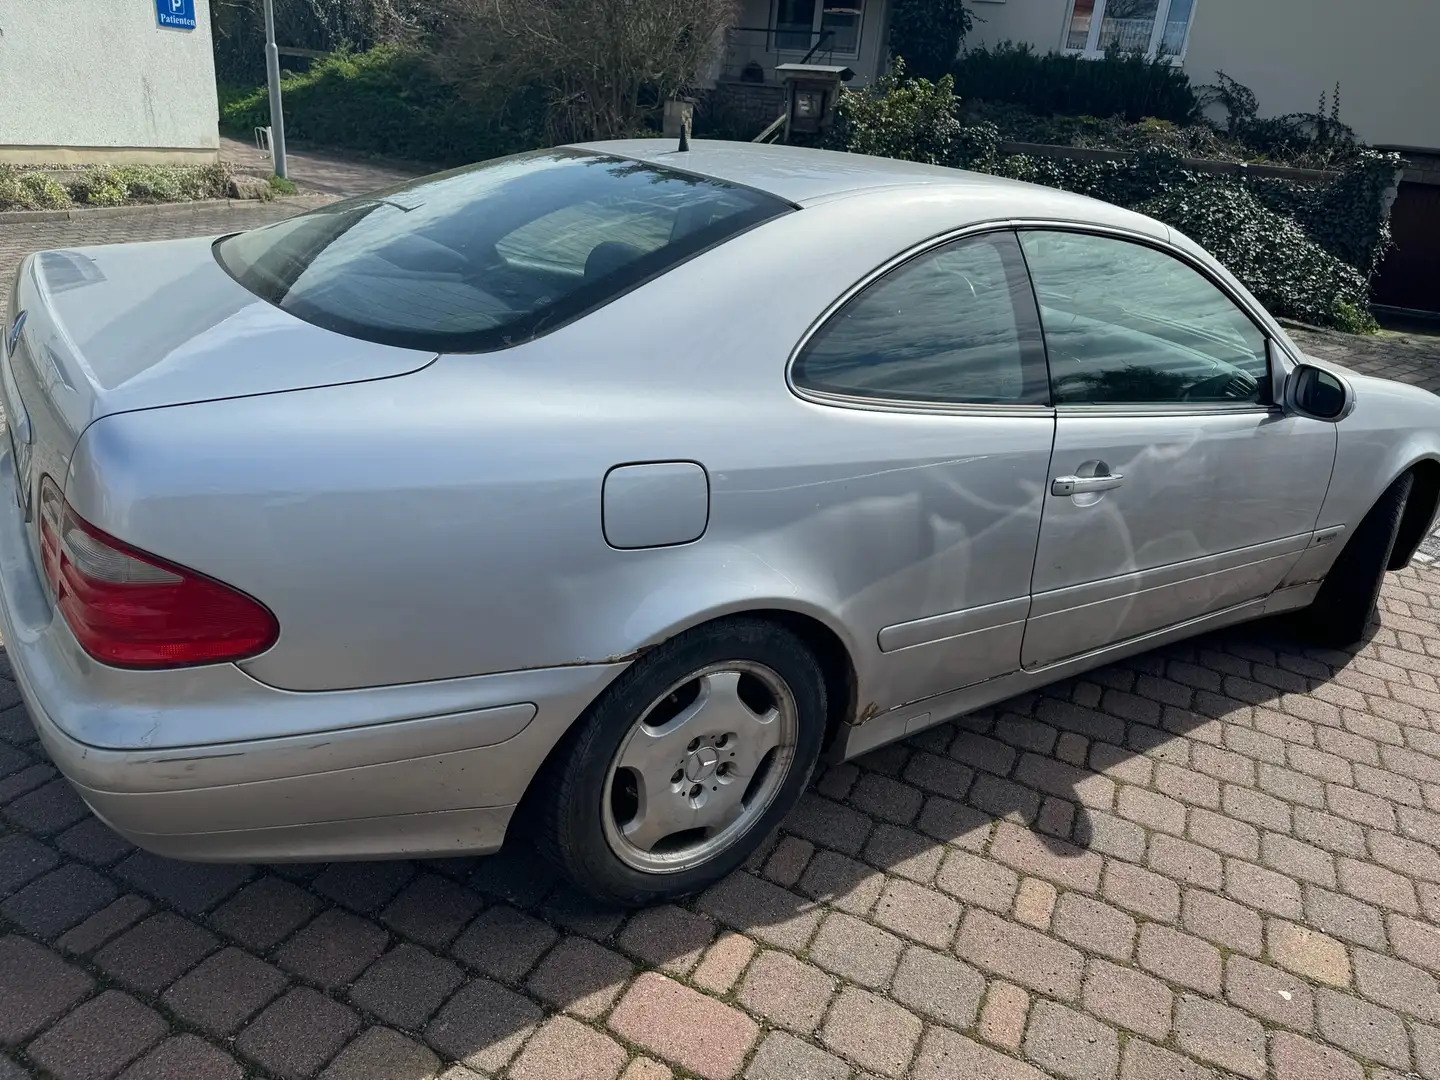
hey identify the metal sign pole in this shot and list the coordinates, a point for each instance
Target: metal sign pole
(272, 71)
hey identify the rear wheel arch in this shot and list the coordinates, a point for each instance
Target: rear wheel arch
(571, 812)
(835, 655)
(836, 663)
(826, 646)
(1420, 511)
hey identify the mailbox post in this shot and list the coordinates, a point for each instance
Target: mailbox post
(811, 91)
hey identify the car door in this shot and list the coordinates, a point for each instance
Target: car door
(933, 378)
(1178, 488)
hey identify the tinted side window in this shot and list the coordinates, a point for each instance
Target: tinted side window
(1125, 323)
(954, 325)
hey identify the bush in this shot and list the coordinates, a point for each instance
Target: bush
(31, 191)
(600, 68)
(389, 102)
(1305, 251)
(110, 185)
(1109, 133)
(1315, 140)
(238, 29)
(915, 120)
(1286, 270)
(928, 34)
(1053, 83)
(1344, 216)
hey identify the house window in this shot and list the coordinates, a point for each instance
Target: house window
(1152, 27)
(828, 26)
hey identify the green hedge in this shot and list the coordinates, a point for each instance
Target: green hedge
(1286, 270)
(1306, 251)
(109, 185)
(1057, 84)
(1343, 216)
(387, 102)
(928, 34)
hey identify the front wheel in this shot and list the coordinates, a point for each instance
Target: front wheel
(685, 764)
(1346, 600)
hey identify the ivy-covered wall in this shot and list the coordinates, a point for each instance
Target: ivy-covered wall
(1307, 251)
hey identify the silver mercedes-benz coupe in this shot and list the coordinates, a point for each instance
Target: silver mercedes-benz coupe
(601, 491)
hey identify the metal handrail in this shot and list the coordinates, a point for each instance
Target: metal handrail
(825, 35)
(759, 46)
(821, 37)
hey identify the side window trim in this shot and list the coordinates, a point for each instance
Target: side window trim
(1031, 326)
(1185, 408)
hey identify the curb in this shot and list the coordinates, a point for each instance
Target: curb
(1296, 324)
(22, 217)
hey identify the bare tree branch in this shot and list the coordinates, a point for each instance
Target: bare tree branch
(603, 65)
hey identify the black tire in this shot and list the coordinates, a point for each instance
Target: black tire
(1347, 599)
(567, 799)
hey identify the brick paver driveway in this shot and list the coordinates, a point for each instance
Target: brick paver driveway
(1215, 860)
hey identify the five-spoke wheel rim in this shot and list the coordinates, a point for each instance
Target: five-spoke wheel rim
(700, 767)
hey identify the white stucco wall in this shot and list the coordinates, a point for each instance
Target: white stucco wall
(85, 80)
(1040, 22)
(1383, 53)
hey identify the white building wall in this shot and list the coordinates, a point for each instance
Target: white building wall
(1382, 52)
(100, 80)
(1039, 22)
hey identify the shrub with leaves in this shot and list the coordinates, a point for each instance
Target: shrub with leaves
(1346, 216)
(1286, 270)
(238, 29)
(117, 185)
(916, 120)
(110, 185)
(101, 186)
(1127, 85)
(928, 34)
(390, 102)
(31, 191)
(1314, 140)
(1017, 124)
(1306, 251)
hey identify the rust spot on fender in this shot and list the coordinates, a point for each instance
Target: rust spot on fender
(870, 712)
(627, 658)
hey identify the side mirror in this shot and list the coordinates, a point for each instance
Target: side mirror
(1318, 394)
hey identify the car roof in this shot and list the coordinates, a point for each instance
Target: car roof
(797, 174)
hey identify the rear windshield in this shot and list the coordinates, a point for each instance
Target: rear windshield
(492, 255)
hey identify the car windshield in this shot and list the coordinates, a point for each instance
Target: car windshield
(491, 255)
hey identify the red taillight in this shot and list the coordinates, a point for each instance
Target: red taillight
(130, 609)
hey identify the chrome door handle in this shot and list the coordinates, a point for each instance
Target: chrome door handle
(1080, 485)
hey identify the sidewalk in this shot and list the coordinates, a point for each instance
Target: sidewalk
(316, 170)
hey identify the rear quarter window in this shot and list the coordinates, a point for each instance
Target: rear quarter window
(493, 255)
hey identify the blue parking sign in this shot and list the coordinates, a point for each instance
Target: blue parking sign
(176, 14)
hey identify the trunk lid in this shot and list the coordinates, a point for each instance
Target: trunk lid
(143, 326)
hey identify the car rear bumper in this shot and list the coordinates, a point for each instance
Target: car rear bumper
(208, 763)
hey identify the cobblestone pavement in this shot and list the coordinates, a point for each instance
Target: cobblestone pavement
(1221, 859)
(1412, 358)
